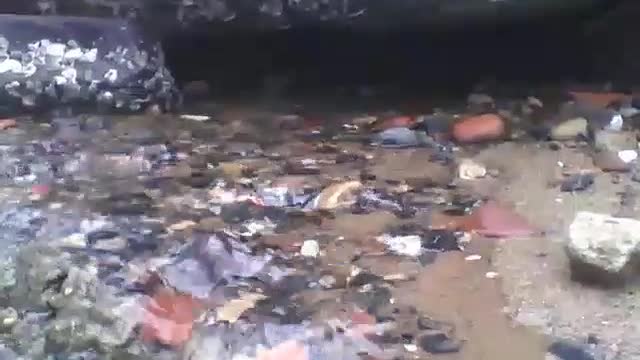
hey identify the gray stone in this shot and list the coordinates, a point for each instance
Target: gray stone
(603, 248)
(570, 129)
(608, 140)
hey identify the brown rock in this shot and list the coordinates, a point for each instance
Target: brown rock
(479, 128)
(610, 161)
(210, 224)
(232, 170)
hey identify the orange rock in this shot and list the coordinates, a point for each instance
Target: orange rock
(169, 318)
(499, 221)
(7, 123)
(288, 350)
(479, 128)
(599, 99)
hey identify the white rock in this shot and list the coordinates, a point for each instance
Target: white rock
(56, 50)
(602, 241)
(10, 65)
(310, 248)
(470, 170)
(410, 245)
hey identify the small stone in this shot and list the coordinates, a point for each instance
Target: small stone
(491, 275)
(577, 182)
(399, 137)
(569, 351)
(115, 244)
(231, 170)
(479, 101)
(471, 170)
(310, 248)
(570, 129)
(610, 161)
(8, 318)
(438, 344)
(602, 248)
(607, 140)
(338, 195)
(182, 225)
(479, 128)
(211, 224)
(327, 281)
(7, 123)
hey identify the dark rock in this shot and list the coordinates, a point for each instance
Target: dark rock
(441, 240)
(94, 236)
(577, 182)
(438, 344)
(568, 351)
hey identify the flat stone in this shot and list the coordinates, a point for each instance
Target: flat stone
(602, 248)
(570, 129)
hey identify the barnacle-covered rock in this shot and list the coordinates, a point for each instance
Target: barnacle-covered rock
(47, 61)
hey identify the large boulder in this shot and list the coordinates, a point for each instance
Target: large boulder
(603, 249)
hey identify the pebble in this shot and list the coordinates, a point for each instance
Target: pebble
(7, 123)
(491, 275)
(479, 128)
(570, 129)
(310, 248)
(479, 101)
(438, 344)
(610, 161)
(8, 318)
(608, 140)
(577, 182)
(115, 244)
(399, 137)
(182, 225)
(471, 170)
(338, 195)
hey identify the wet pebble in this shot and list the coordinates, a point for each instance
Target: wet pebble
(570, 129)
(438, 344)
(569, 351)
(610, 161)
(399, 137)
(7, 124)
(577, 182)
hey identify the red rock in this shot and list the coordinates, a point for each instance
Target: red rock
(599, 99)
(479, 128)
(491, 220)
(362, 318)
(169, 318)
(41, 190)
(7, 123)
(497, 221)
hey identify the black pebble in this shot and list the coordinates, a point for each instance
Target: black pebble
(568, 351)
(438, 344)
(577, 182)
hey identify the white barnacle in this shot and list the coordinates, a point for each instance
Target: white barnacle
(10, 65)
(56, 50)
(71, 74)
(73, 54)
(89, 56)
(111, 75)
